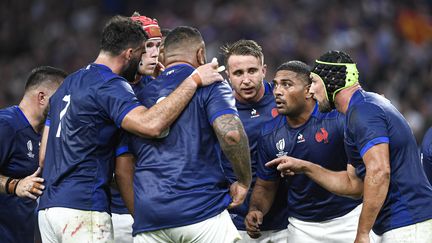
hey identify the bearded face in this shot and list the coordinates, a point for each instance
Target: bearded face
(131, 69)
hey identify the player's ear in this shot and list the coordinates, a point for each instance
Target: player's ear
(161, 57)
(227, 74)
(42, 98)
(127, 53)
(201, 56)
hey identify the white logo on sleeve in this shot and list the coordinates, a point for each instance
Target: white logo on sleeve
(30, 153)
(280, 147)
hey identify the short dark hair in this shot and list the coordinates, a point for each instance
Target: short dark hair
(242, 48)
(44, 74)
(298, 67)
(121, 33)
(182, 35)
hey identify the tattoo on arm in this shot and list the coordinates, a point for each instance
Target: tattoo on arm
(235, 145)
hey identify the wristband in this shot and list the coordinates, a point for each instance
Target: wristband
(12, 186)
(7, 185)
(16, 185)
(196, 78)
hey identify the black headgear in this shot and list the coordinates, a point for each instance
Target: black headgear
(337, 71)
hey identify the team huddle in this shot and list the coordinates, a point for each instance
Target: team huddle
(149, 143)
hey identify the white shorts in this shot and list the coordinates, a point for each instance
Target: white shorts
(338, 230)
(418, 233)
(122, 226)
(72, 225)
(267, 236)
(219, 228)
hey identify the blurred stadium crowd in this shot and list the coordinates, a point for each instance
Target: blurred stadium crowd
(390, 40)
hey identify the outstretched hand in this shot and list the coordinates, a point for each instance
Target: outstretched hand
(288, 166)
(31, 186)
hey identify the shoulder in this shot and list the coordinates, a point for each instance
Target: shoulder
(365, 111)
(8, 121)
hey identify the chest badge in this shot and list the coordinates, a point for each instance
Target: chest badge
(280, 146)
(30, 153)
(300, 138)
(254, 113)
(322, 136)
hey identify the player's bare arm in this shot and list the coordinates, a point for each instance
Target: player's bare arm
(376, 184)
(342, 183)
(235, 145)
(124, 173)
(154, 121)
(261, 201)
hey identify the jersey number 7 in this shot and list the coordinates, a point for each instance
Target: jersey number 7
(66, 99)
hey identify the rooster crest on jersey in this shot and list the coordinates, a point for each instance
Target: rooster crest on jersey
(322, 135)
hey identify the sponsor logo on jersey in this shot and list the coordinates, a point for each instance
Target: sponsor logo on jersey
(300, 138)
(254, 113)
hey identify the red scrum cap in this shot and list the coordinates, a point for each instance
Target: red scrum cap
(150, 26)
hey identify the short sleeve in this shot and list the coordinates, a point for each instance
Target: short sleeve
(7, 135)
(220, 101)
(48, 118)
(263, 172)
(123, 143)
(368, 124)
(117, 98)
(426, 154)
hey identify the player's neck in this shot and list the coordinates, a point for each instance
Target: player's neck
(171, 63)
(115, 63)
(298, 120)
(176, 58)
(343, 98)
(33, 114)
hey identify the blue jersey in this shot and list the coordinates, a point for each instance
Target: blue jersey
(253, 116)
(319, 140)
(178, 179)
(426, 154)
(371, 119)
(117, 204)
(85, 113)
(19, 157)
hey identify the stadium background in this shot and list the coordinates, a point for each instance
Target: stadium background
(391, 41)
